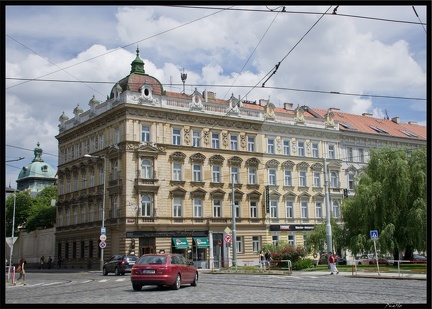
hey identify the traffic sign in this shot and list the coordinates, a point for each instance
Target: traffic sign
(103, 237)
(10, 241)
(220, 243)
(227, 230)
(103, 230)
(374, 234)
(102, 244)
(228, 238)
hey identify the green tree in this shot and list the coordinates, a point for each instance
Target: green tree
(315, 241)
(23, 205)
(42, 214)
(390, 198)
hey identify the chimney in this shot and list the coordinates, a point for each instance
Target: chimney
(288, 106)
(367, 115)
(395, 119)
(334, 109)
(263, 102)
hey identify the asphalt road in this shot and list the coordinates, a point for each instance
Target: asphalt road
(82, 287)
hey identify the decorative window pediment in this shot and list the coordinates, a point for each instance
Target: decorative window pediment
(252, 162)
(217, 194)
(254, 195)
(272, 163)
(216, 160)
(351, 169)
(289, 195)
(275, 193)
(302, 165)
(198, 193)
(235, 161)
(178, 156)
(178, 192)
(304, 195)
(198, 158)
(316, 166)
(288, 165)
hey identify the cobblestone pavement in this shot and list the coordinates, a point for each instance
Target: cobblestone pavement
(218, 287)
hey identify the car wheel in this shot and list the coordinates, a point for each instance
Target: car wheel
(105, 271)
(136, 287)
(116, 271)
(195, 281)
(177, 283)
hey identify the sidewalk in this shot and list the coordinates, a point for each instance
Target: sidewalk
(359, 274)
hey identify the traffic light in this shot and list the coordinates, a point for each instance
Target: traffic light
(346, 193)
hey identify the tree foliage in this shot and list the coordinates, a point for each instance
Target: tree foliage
(390, 197)
(315, 241)
(31, 213)
(42, 215)
(23, 204)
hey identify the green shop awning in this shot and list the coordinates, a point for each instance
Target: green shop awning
(201, 242)
(180, 243)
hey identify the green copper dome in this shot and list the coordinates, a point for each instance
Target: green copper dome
(36, 175)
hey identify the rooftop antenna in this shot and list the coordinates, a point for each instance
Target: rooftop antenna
(183, 77)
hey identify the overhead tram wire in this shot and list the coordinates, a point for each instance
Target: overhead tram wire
(52, 64)
(419, 19)
(262, 37)
(309, 13)
(243, 86)
(278, 64)
(114, 50)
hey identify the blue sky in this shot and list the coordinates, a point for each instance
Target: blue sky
(376, 55)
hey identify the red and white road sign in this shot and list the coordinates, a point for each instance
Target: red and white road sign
(228, 238)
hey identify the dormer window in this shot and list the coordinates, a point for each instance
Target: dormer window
(146, 92)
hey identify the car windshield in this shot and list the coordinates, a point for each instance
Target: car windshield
(131, 259)
(152, 259)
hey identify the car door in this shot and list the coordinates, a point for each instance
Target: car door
(112, 263)
(186, 271)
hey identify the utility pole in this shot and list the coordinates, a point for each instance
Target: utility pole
(234, 236)
(328, 224)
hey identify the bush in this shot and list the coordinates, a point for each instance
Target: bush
(302, 264)
(285, 251)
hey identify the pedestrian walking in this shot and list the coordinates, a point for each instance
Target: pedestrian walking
(332, 261)
(267, 256)
(42, 262)
(21, 270)
(49, 262)
(262, 260)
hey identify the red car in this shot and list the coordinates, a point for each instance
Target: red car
(169, 269)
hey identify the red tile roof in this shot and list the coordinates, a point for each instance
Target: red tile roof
(366, 124)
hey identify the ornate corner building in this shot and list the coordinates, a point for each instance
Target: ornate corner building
(166, 170)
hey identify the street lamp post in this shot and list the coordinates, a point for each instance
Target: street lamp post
(13, 225)
(234, 236)
(13, 234)
(328, 224)
(103, 204)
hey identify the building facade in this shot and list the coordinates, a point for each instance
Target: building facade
(178, 172)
